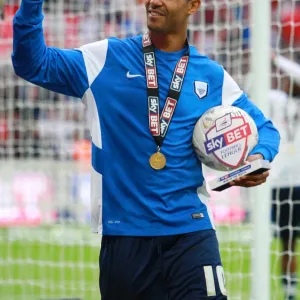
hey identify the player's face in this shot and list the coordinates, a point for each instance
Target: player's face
(168, 16)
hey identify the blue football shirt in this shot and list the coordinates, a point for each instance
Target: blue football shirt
(128, 196)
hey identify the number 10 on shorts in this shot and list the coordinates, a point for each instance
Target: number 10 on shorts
(210, 280)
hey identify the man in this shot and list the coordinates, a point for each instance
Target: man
(148, 192)
(286, 191)
(285, 179)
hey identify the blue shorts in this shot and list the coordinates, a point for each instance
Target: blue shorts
(178, 267)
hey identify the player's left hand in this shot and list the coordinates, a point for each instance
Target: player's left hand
(251, 180)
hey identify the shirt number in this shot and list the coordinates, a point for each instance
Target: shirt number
(210, 281)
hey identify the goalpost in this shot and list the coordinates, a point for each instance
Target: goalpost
(46, 248)
(261, 196)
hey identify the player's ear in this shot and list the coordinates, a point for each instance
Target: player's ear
(194, 5)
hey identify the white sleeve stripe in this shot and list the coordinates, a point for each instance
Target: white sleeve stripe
(231, 91)
(94, 56)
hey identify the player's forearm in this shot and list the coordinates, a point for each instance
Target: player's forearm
(288, 66)
(29, 48)
(269, 138)
(61, 71)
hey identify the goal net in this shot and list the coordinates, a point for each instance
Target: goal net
(46, 248)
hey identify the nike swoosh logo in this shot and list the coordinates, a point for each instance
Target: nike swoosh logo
(132, 75)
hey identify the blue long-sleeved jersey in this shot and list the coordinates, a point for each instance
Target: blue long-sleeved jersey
(128, 196)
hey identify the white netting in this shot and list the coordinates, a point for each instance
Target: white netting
(46, 249)
(285, 108)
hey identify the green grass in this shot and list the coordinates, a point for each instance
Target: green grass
(59, 268)
(38, 269)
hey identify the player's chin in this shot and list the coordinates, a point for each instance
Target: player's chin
(155, 27)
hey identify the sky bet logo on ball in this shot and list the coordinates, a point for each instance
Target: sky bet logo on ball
(227, 140)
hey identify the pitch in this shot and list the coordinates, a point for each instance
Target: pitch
(57, 267)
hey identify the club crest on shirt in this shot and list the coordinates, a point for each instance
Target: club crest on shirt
(201, 89)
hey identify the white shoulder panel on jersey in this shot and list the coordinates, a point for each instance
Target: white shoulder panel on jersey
(94, 56)
(93, 118)
(231, 91)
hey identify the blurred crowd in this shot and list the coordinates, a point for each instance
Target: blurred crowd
(35, 123)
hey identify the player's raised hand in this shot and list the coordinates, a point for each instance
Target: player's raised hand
(251, 180)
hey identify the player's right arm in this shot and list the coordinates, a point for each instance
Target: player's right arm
(288, 66)
(62, 71)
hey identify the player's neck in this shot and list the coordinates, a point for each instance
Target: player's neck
(168, 42)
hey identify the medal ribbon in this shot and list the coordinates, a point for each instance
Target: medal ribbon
(159, 124)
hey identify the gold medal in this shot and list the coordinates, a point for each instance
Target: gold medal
(158, 161)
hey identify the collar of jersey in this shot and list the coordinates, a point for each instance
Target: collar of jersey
(171, 55)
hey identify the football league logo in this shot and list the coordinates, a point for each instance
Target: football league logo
(227, 140)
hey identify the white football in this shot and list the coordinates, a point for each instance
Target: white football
(223, 137)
